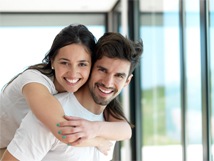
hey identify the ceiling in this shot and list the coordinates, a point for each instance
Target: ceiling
(82, 5)
(56, 5)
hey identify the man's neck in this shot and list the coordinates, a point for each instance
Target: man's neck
(84, 97)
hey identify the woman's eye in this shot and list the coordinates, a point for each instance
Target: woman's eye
(64, 63)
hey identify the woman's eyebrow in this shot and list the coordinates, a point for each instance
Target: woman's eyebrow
(77, 61)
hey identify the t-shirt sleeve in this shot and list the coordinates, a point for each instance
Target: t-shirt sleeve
(32, 140)
(30, 76)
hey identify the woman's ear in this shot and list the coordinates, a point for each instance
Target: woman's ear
(52, 67)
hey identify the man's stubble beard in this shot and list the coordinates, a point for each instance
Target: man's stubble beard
(98, 100)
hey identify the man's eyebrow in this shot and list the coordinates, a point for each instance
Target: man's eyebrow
(99, 66)
(122, 74)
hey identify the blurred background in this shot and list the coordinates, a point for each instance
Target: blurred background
(171, 98)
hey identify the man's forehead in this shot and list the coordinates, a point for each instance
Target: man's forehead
(114, 64)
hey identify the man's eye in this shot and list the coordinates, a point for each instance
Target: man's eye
(120, 76)
(101, 69)
(82, 64)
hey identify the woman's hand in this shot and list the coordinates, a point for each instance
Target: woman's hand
(104, 145)
(80, 132)
(76, 130)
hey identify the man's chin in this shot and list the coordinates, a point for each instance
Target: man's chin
(102, 103)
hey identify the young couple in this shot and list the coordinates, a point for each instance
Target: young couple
(89, 119)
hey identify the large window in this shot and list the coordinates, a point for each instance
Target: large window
(178, 51)
(26, 38)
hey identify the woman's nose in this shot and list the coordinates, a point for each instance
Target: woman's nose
(72, 70)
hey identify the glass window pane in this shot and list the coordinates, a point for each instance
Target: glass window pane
(193, 81)
(161, 86)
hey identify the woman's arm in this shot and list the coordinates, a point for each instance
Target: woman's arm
(103, 145)
(80, 128)
(119, 129)
(45, 106)
(50, 112)
(8, 157)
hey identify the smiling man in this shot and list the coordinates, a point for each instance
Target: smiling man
(107, 79)
(115, 59)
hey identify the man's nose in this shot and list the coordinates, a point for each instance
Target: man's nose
(108, 81)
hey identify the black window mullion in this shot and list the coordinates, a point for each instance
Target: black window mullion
(135, 90)
(206, 137)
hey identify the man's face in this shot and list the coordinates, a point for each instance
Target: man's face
(108, 77)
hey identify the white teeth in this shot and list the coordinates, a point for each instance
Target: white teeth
(105, 91)
(72, 80)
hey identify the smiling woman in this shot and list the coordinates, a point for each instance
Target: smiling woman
(33, 89)
(24, 51)
(30, 39)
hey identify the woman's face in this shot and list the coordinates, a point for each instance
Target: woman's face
(72, 66)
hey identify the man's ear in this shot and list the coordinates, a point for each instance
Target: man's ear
(128, 80)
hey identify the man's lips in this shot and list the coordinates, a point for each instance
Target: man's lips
(105, 90)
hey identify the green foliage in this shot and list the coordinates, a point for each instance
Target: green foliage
(154, 117)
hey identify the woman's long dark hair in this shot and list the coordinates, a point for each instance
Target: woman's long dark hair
(72, 34)
(114, 108)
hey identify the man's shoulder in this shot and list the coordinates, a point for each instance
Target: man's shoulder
(65, 98)
(63, 95)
